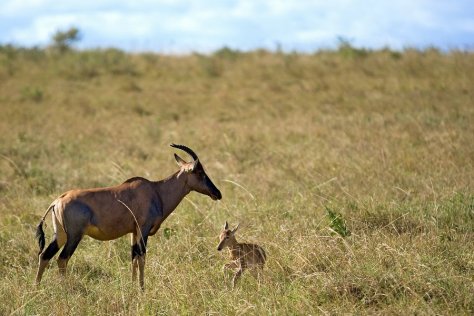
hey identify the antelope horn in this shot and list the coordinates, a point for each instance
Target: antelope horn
(186, 149)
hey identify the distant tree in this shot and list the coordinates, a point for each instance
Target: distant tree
(63, 40)
(346, 49)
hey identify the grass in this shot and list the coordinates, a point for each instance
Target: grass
(382, 139)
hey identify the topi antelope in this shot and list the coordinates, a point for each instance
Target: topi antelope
(137, 206)
(243, 255)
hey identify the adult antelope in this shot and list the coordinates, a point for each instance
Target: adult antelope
(137, 206)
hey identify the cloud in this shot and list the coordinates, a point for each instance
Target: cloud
(207, 25)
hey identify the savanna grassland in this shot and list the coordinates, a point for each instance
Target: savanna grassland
(353, 169)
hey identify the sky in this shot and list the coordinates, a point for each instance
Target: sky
(178, 26)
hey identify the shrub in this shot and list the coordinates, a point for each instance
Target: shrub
(63, 40)
(337, 223)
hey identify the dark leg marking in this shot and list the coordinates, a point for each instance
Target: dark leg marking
(69, 248)
(135, 251)
(138, 250)
(52, 249)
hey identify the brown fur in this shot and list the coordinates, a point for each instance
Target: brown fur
(243, 255)
(137, 206)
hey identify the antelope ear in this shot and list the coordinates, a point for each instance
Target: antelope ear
(226, 225)
(179, 160)
(193, 164)
(235, 229)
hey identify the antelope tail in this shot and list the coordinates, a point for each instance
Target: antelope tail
(39, 229)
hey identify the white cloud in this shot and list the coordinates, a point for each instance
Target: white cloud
(42, 28)
(12, 7)
(243, 24)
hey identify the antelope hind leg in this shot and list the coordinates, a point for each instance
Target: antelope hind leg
(58, 241)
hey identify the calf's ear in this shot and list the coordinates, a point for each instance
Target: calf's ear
(235, 229)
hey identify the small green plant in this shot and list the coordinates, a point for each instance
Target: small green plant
(168, 232)
(34, 94)
(338, 224)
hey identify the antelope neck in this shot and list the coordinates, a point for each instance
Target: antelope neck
(172, 190)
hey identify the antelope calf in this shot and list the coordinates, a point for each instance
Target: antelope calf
(137, 207)
(243, 255)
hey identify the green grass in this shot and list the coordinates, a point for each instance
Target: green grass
(382, 139)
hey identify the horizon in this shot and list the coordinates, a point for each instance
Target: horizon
(184, 27)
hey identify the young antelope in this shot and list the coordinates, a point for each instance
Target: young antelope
(243, 255)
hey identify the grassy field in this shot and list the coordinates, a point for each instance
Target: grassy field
(353, 169)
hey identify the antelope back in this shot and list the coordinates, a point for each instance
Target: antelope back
(253, 254)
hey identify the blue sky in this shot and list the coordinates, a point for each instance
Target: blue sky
(177, 26)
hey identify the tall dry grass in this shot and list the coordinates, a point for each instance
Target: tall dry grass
(382, 139)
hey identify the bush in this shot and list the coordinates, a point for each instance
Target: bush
(346, 49)
(63, 40)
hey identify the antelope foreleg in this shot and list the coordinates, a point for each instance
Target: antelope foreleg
(134, 269)
(138, 259)
(135, 254)
(141, 269)
(232, 265)
(236, 277)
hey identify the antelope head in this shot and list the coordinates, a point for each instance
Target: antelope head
(227, 237)
(196, 178)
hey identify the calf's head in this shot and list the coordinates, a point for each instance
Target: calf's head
(227, 237)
